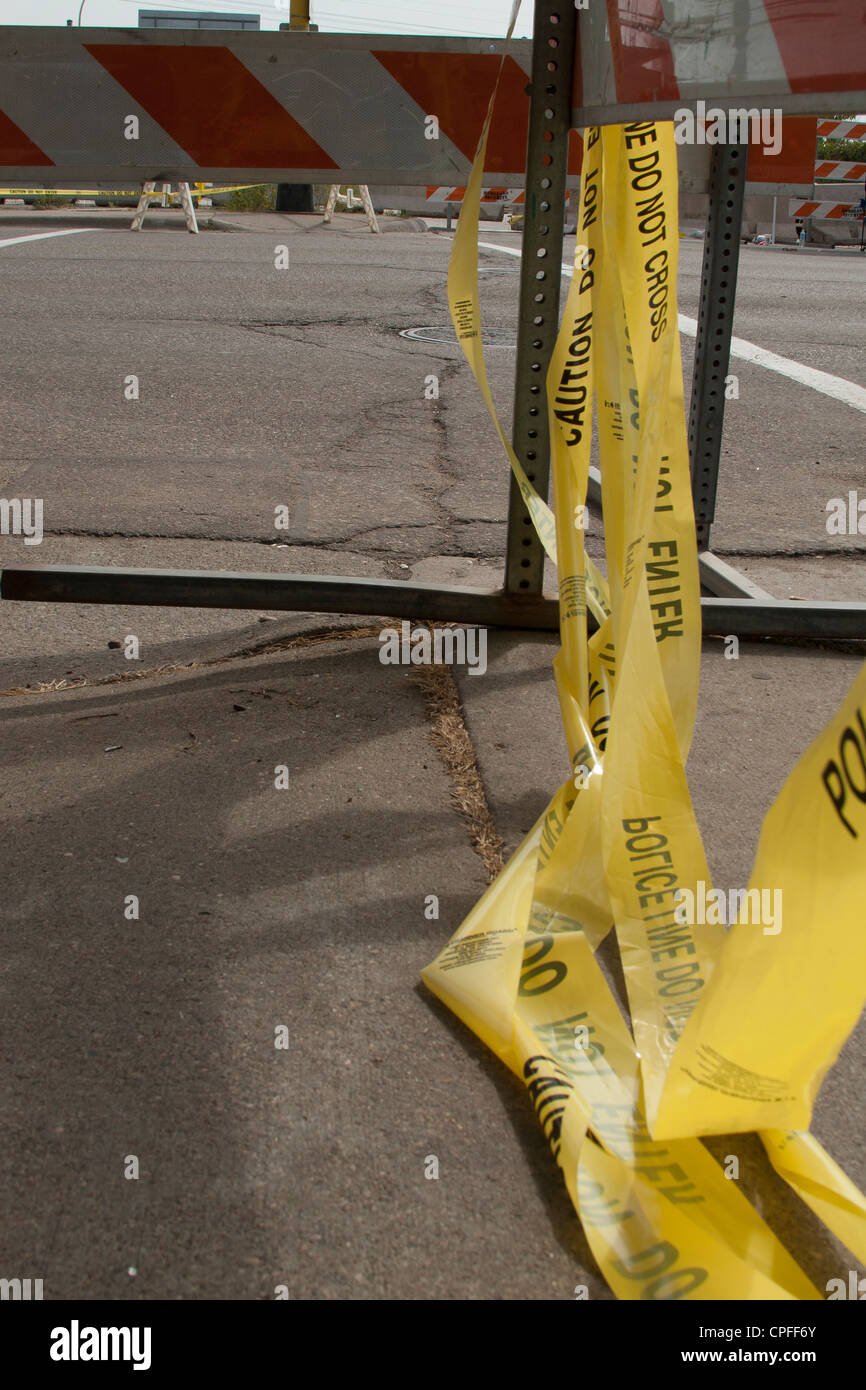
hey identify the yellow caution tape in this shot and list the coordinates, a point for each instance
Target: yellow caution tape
(805, 964)
(71, 192)
(199, 190)
(724, 1034)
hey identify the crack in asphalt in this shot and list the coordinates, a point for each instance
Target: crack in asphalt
(808, 552)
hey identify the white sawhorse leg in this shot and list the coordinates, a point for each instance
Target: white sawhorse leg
(332, 201)
(148, 193)
(188, 208)
(368, 207)
(349, 200)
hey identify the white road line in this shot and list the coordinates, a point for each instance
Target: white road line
(837, 387)
(41, 236)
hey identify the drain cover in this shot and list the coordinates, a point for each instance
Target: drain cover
(493, 337)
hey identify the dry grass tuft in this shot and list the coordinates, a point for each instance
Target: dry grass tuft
(451, 739)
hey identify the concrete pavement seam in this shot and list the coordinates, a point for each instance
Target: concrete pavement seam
(451, 739)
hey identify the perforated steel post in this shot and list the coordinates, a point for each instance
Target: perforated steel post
(715, 326)
(540, 277)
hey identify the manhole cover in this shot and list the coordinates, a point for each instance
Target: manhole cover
(493, 337)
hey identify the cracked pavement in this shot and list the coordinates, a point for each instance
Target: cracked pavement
(254, 392)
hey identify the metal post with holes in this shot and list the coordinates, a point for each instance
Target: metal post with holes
(715, 326)
(538, 322)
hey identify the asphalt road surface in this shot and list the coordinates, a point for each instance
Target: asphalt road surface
(259, 387)
(151, 1037)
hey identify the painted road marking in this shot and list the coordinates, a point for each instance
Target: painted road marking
(837, 387)
(41, 236)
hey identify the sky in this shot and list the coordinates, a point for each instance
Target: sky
(437, 17)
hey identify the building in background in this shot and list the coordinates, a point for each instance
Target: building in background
(196, 19)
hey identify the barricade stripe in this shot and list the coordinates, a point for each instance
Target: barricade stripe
(175, 84)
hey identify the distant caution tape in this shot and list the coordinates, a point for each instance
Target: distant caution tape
(198, 191)
(730, 1031)
(70, 192)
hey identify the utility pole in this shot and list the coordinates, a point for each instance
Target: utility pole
(297, 197)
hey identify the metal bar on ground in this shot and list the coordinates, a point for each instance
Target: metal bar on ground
(538, 314)
(304, 593)
(724, 581)
(300, 593)
(715, 326)
(747, 617)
